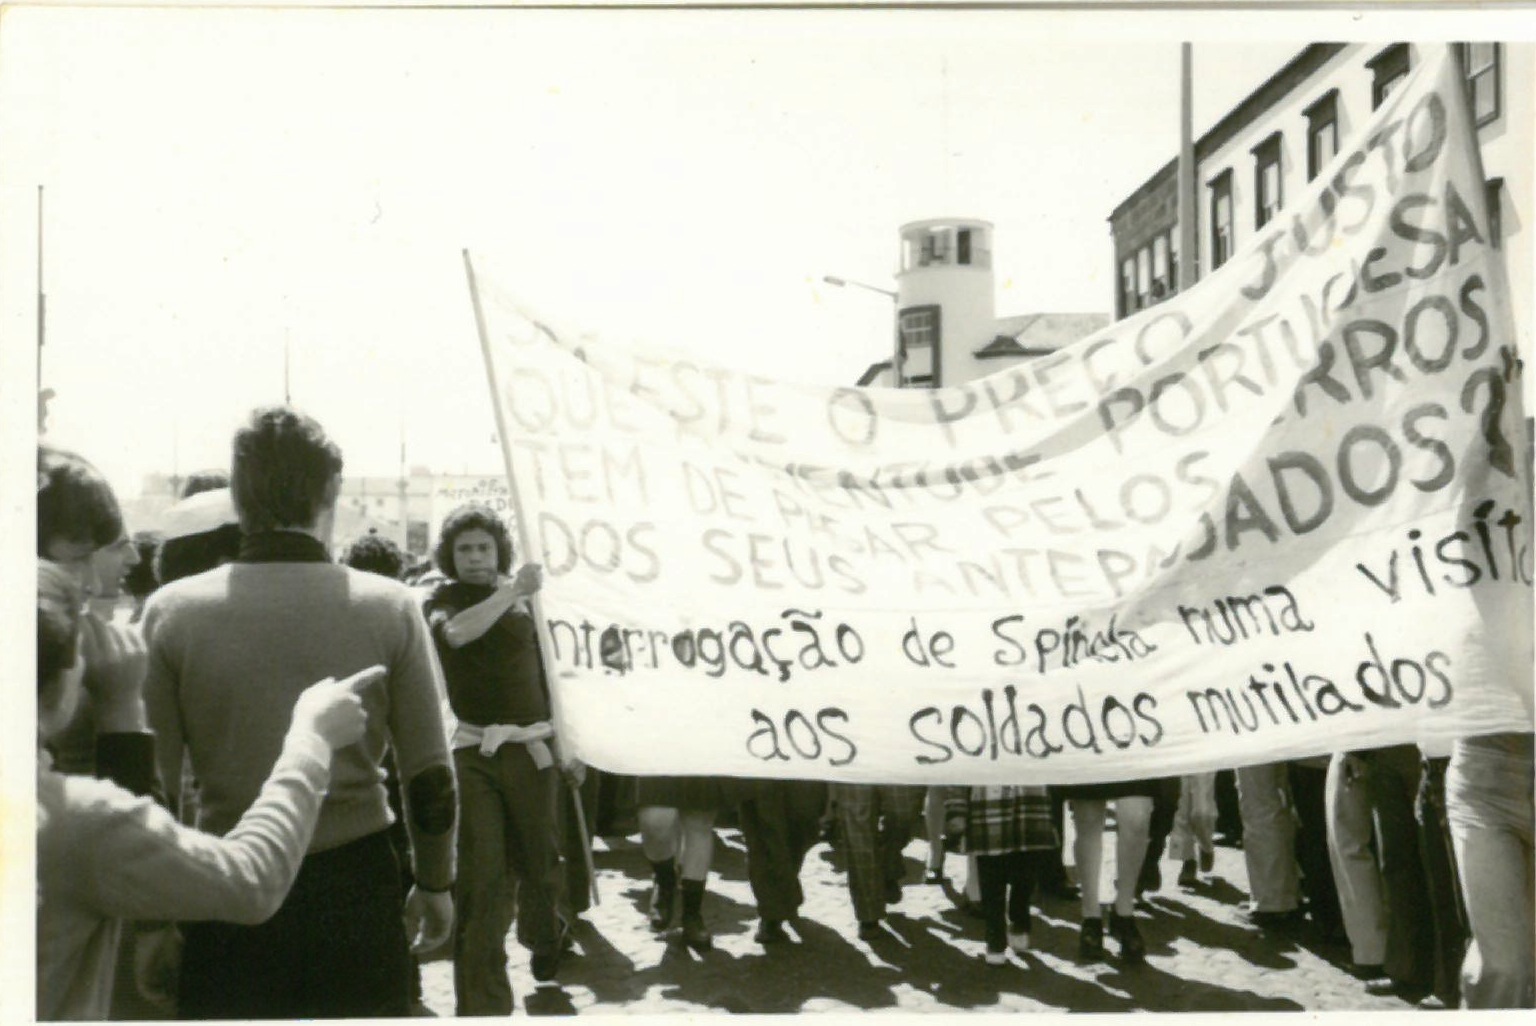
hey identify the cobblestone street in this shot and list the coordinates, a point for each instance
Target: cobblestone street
(1202, 955)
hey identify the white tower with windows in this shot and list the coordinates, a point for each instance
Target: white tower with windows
(945, 301)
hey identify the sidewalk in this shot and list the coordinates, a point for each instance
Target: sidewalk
(1201, 953)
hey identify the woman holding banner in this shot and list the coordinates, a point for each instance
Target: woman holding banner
(486, 639)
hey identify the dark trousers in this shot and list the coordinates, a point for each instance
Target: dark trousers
(1309, 798)
(507, 854)
(1393, 784)
(1007, 882)
(576, 884)
(336, 949)
(781, 822)
(1165, 807)
(1447, 909)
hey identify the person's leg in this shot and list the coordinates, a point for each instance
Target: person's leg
(1202, 818)
(993, 871)
(1052, 865)
(1181, 839)
(481, 896)
(765, 830)
(1496, 867)
(1164, 806)
(698, 853)
(1445, 901)
(857, 821)
(900, 811)
(1356, 875)
(355, 957)
(1308, 790)
(1394, 784)
(1489, 789)
(1088, 853)
(933, 824)
(1024, 869)
(659, 840)
(528, 797)
(575, 883)
(1133, 816)
(1269, 838)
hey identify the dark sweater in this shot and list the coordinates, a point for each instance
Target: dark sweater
(497, 678)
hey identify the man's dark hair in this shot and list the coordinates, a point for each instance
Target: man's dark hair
(197, 553)
(375, 554)
(203, 481)
(59, 604)
(140, 580)
(469, 517)
(283, 470)
(74, 502)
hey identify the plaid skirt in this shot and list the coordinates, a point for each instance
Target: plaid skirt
(1000, 818)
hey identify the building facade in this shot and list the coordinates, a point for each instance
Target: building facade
(1275, 140)
(947, 328)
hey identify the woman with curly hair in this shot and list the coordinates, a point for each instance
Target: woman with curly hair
(488, 644)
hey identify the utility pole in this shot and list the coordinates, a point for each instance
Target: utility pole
(43, 395)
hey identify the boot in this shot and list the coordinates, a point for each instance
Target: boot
(1090, 940)
(1132, 947)
(695, 934)
(663, 895)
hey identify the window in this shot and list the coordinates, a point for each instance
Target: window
(963, 246)
(1143, 278)
(1480, 65)
(1128, 287)
(1162, 282)
(917, 348)
(1221, 218)
(1493, 193)
(1266, 180)
(1388, 69)
(1173, 260)
(935, 247)
(1322, 133)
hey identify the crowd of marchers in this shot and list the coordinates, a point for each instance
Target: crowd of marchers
(272, 774)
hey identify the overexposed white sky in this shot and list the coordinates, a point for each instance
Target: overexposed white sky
(219, 181)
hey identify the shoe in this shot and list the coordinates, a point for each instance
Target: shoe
(997, 957)
(1208, 861)
(1018, 941)
(1388, 987)
(1433, 1003)
(871, 930)
(1366, 973)
(1090, 940)
(696, 935)
(934, 877)
(545, 964)
(770, 931)
(1132, 947)
(663, 906)
(1187, 877)
(1278, 921)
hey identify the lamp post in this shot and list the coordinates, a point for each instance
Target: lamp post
(850, 283)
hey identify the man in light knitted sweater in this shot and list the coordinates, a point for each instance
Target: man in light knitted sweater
(229, 651)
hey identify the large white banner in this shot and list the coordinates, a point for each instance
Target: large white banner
(1282, 514)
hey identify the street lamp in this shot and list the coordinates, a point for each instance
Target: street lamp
(850, 283)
